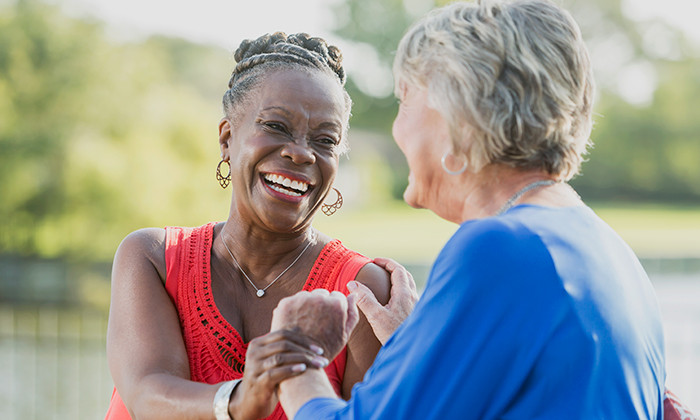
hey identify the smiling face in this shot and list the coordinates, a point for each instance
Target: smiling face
(422, 135)
(284, 146)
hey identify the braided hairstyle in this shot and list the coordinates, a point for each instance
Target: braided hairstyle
(257, 58)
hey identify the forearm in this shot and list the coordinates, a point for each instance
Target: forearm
(164, 396)
(295, 392)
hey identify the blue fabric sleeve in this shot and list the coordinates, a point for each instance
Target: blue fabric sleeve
(321, 408)
(458, 343)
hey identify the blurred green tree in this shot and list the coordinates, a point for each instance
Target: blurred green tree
(99, 138)
(44, 77)
(649, 153)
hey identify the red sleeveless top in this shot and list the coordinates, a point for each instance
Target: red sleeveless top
(215, 350)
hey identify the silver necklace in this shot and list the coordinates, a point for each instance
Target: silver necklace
(261, 292)
(508, 204)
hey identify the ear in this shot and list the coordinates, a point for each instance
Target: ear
(224, 137)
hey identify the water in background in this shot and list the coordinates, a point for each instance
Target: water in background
(679, 298)
(53, 363)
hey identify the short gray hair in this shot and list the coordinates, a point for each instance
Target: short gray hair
(514, 77)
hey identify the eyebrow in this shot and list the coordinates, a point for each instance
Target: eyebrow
(329, 124)
(277, 108)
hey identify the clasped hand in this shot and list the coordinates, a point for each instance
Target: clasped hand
(308, 330)
(270, 359)
(309, 324)
(326, 318)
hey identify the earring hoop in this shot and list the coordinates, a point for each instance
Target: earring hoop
(224, 181)
(448, 170)
(329, 209)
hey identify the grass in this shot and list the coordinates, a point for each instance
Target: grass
(655, 230)
(397, 231)
(392, 230)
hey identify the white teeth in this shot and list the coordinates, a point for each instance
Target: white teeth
(285, 191)
(278, 179)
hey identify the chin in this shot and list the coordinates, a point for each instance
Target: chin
(410, 199)
(285, 226)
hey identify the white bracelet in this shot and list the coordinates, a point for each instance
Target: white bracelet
(222, 398)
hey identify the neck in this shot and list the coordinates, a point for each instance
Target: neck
(262, 253)
(486, 192)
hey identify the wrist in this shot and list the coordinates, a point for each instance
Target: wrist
(222, 400)
(296, 391)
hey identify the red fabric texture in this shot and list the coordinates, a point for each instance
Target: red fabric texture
(215, 350)
(674, 409)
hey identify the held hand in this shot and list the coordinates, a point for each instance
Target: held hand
(325, 317)
(270, 359)
(386, 319)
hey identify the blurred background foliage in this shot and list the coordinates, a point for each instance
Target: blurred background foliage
(99, 137)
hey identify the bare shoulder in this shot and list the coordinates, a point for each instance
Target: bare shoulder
(143, 246)
(377, 280)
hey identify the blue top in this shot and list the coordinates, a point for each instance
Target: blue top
(539, 313)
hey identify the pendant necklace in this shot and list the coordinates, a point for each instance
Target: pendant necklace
(508, 204)
(261, 292)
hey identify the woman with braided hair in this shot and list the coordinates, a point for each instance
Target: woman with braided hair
(189, 323)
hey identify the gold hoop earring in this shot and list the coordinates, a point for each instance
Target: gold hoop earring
(329, 209)
(223, 180)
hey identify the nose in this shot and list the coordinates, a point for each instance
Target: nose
(299, 151)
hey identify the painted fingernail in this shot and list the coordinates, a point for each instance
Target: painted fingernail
(319, 361)
(299, 368)
(316, 349)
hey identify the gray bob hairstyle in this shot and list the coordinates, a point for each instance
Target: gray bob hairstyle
(512, 80)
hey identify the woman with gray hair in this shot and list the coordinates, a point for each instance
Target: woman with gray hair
(535, 308)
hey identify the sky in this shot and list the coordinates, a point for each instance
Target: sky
(680, 13)
(221, 22)
(227, 22)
